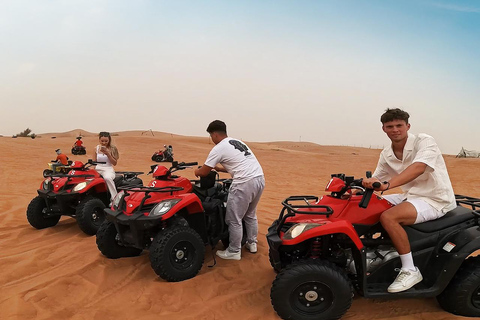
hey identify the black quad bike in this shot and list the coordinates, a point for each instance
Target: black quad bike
(81, 193)
(79, 150)
(324, 248)
(174, 218)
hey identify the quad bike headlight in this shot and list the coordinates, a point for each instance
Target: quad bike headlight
(80, 186)
(298, 229)
(46, 184)
(163, 207)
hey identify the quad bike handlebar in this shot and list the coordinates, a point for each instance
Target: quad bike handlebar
(151, 189)
(90, 161)
(62, 175)
(175, 166)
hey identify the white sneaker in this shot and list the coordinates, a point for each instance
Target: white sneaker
(225, 254)
(405, 280)
(252, 247)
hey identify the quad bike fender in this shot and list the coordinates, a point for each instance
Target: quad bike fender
(189, 202)
(98, 185)
(464, 242)
(330, 227)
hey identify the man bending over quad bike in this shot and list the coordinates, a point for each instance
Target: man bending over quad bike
(246, 189)
(414, 163)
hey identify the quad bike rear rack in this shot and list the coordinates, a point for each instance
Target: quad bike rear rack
(474, 203)
(292, 209)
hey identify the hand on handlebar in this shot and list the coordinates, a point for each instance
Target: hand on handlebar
(375, 184)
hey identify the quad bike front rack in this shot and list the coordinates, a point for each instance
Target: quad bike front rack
(291, 209)
(147, 190)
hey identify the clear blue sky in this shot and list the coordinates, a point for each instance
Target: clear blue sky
(319, 71)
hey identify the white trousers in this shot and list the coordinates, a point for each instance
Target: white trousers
(108, 174)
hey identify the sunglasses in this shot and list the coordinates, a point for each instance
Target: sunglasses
(104, 134)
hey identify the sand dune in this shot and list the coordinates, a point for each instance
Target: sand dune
(58, 273)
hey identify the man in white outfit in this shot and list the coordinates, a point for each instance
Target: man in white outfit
(248, 183)
(414, 163)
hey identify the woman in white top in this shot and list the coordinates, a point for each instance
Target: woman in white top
(108, 153)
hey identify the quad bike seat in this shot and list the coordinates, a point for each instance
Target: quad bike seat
(456, 216)
(122, 180)
(208, 185)
(207, 192)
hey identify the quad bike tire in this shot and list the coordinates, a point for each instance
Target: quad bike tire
(177, 253)
(309, 290)
(462, 295)
(108, 244)
(36, 216)
(169, 159)
(47, 172)
(90, 215)
(158, 158)
(79, 151)
(271, 260)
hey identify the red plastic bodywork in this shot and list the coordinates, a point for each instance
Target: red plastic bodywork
(346, 213)
(335, 185)
(96, 181)
(187, 199)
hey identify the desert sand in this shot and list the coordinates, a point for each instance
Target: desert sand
(58, 273)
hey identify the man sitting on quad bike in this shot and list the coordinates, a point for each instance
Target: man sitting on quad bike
(246, 189)
(61, 160)
(78, 147)
(164, 155)
(414, 163)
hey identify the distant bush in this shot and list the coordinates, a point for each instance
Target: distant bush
(26, 133)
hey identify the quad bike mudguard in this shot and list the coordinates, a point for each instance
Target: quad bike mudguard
(189, 207)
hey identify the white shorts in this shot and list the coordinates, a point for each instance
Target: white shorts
(425, 212)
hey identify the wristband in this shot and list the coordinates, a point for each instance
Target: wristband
(388, 187)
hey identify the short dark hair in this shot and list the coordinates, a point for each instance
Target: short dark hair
(394, 114)
(104, 134)
(217, 126)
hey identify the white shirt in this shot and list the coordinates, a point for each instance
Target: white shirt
(236, 158)
(433, 186)
(101, 157)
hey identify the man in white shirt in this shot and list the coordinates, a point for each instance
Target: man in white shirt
(238, 160)
(414, 163)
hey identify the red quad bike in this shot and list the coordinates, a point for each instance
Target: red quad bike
(165, 155)
(325, 247)
(81, 193)
(174, 218)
